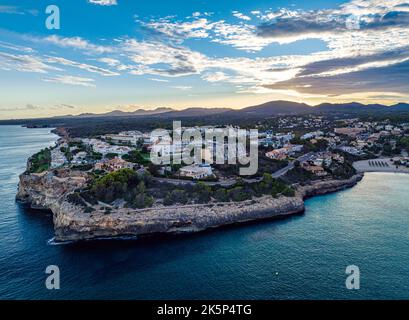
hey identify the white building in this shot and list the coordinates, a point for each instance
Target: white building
(196, 171)
(311, 135)
(105, 148)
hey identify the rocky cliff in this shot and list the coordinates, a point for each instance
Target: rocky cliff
(42, 190)
(327, 186)
(49, 190)
(71, 223)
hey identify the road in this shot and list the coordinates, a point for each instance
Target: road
(230, 182)
(290, 166)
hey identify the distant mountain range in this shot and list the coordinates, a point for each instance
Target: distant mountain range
(119, 113)
(275, 108)
(268, 109)
(189, 112)
(272, 108)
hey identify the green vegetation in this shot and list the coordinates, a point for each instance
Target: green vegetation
(94, 155)
(83, 167)
(111, 155)
(269, 165)
(124, 184)
(76, 199)
(241, 191)
(40, 162)
(175, 196)
(342, 171)
(403, 143)
(299, 175)
(136, 156)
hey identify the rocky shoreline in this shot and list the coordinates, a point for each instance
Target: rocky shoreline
(48, 192)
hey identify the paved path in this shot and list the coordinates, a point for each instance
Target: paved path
(290, 166)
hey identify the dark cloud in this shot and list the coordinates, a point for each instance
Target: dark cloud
(321, 21)
(63, 105)
(394, 78)
(294, 26)
(335, 64)
(177, 71)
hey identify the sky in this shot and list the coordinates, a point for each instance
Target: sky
(125, 54)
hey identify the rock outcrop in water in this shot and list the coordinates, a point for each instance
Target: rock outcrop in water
(71, 223)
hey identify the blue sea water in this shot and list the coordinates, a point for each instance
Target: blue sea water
(302, 257)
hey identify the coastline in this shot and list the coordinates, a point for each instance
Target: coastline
(71, 223)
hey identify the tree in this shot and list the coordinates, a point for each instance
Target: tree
(141, 188)
(111, 155)
(221, 195)
(114, 185)
(134, 156)
(176, 196)
(203, 192)
(40, 162)
(142, 201)
(238, 194)
(267, 178)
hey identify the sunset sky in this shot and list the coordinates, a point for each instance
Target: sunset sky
(123, 54)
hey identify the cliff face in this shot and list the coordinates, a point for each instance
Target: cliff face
(71, 223)
(328, 186)
(48, 191)
(42, 190)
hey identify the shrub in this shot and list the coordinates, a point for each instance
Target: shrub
(76, 199)
(40, 162)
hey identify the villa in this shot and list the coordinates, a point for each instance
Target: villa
(284, 152)
(196, 171)
(351, 132)
(317, 170)
(113, 164)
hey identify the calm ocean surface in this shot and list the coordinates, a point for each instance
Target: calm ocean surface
(302, 257)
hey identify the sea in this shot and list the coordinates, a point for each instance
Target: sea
(300, 257)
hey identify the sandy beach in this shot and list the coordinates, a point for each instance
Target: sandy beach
(379, 165)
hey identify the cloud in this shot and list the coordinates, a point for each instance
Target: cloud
(390, 78)
(103, 2)
(184, 88)
(71, 80)
(241, 16)
(14, 47)
(110, 61)
(24, 63)
(32, 107)
(75, 43)
(64, 106)
(197, 28)
(241, 36)
(82, 66)
(215, 76)
(380, 44)
(176, 60)
(158, 80)
(27, 107)
(17, 10)
(285, 26)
